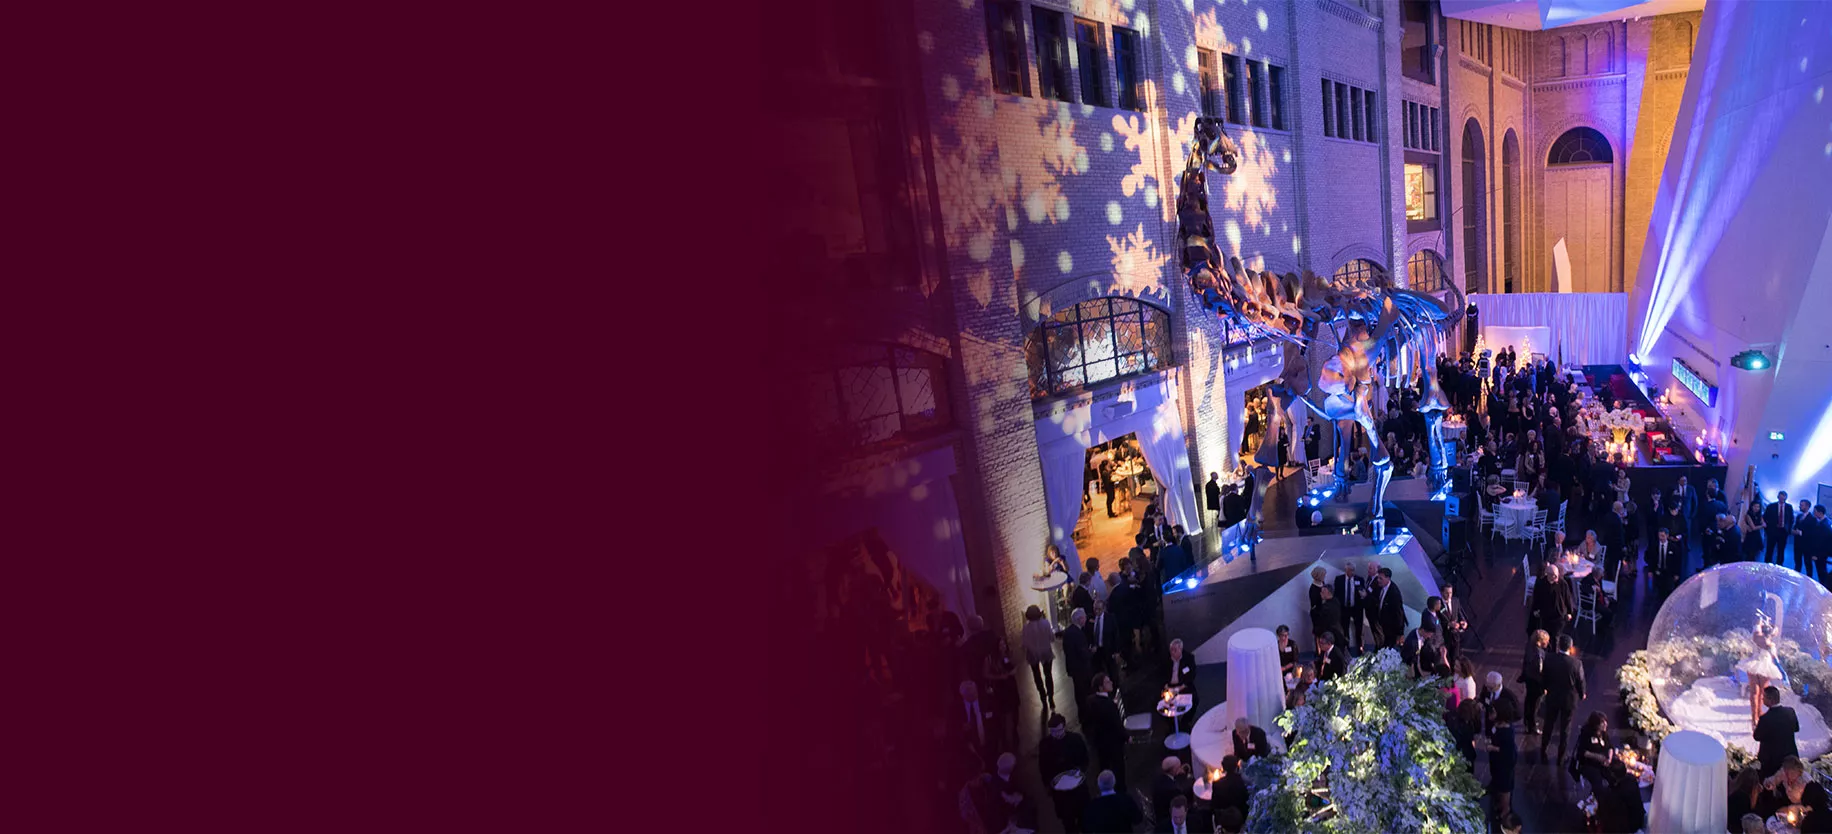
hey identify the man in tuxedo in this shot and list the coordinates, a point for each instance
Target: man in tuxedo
(1726, 541)
(1171, 783)
(1686, 499)
(1106, 728)
(1249, 741)
(1564, 688)
(1802, 562)
(1174, 559)
(1332, 661)
(1107, 485)
(1778, 521)
(1613, 535)
(1113, 811)
(1060, 750)
(1386, 612)
(1103, 635)
(1552, 602)
(1211, 495)
(1077, 655)
(1082, 596)
(1326, 616)
(1533, 674)
(1816, 537)
(1350, 591)
(1420, 650)
(1775, 733)
(1663, 562)
(1234, 506)
(1182, 675)
(1453, 623)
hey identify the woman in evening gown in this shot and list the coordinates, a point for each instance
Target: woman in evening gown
(1761, 668)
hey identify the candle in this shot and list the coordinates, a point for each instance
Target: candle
(1214, 776)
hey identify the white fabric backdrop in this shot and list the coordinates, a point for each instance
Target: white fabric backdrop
(1691, 785)
(1497, 337)
(1064, 463)
(1589, 328)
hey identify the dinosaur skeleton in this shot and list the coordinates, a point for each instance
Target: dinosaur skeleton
(1334, 335)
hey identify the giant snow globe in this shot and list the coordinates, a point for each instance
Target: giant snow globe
(1735, 624)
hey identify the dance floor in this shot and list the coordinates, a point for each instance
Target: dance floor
(1545, 795)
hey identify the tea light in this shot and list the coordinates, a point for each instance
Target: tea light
(1214, 775)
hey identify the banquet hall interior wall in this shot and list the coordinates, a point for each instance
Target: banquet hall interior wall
(1739, 253)
(969, 216)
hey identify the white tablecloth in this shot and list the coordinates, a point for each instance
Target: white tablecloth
(1691, 785)
(1513, 516)
(1255, 689)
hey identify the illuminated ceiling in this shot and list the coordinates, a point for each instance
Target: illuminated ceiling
(1551, 14)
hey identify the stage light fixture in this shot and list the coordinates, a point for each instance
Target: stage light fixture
(1750, 360)
(1190, 582)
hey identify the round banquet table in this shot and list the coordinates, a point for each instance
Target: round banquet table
(1174, 709)
(1255, 688)
(1513, 514)
(1691, 785)
(1576, 570)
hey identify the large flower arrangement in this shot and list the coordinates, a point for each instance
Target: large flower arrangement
(1371, 755)
(1703, 656)
(1622, 421)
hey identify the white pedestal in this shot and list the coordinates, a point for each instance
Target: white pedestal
(1255, 688)
(1691, 785)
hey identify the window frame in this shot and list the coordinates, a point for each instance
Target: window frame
(897, 360)
(1127, 68)
(1208, 78)
(1052, 63)
(1232, 78)
(1426, 258)
(1005, 47)
(1156, 348)
(1275, 96)
(1091, 59)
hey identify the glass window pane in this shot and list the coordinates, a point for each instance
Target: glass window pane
(1071, 378)
(1123, 305)
(867, 392)
(1132, 363)
(1129, 334)
(1102, 370)
(1097, 340)
(1097, 308)
(1064, 347)
(915, 387)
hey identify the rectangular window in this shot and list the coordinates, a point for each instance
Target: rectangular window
(1237, 109)
(1256, 84)
(1355, 113)
(1373, 118)
(1091, 56)
(1052, 54)
(1421, 191)
(1342, 112)
(1275, 96)
(1431, 134)
(1005, 37)
(1211, 86)
(1126, 66)
(1329, 108)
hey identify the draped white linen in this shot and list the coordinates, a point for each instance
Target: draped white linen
(1170, 462)
(1587, 328)
(1064, 464)
(1691, 785)
(1256, 690)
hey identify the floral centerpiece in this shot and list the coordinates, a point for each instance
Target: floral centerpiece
(1371, 755)
(1620, 422)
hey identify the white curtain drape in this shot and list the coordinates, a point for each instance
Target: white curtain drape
(1064, 463)
(1588, 328)
(1170, 462)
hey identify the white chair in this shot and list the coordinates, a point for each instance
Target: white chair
(1587, 607)
(1526, 570)
(1138, 728)
(1485, 517)
(1610, 584)
(1536, 530)
(1520, 487)
(1559, 525)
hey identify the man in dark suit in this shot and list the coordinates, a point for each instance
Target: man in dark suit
(1234, 506)
(1103, 638)
(1453, 622)
(1492, 697)
(1816, 537)
(1386, 611)
(1173, 558)
(1729, 540)
(1686, 499)
(1332, 660)
(1533, 674)
(1231, 790)
(1419, 651)
(977, 725)
(1176, 819)
(1060, 750)
(1082, 596)
(1775, 733)
(1249, 741)
(1350, 592)
(1173, 781)
(1326, 616)
(1077, 655)
(1181, 674)
(1802, 562)
(1552, 602)
(1564, 688)
(1779, 518)
(1211, 495)
(1113, 811)
(1612, 533)
(1106, 728)
(1663, 561)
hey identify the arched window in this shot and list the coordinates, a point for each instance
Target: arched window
(1510, 212)
(1360, 270)
(1475, 192)
(1580, 146)
(1425, 272)
(1095, 341)
(879, 394)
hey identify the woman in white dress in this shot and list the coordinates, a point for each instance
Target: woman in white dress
(1761, 668)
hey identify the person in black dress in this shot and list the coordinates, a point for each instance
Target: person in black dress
(1594, 754)
(1745, 795)
(1284, 448)
(1288, 652)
